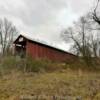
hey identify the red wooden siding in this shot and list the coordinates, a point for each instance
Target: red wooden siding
(39, 51)
(36, 49)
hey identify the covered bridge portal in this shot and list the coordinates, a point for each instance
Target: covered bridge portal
(26, 46)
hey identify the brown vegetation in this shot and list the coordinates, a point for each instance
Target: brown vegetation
(21, 79)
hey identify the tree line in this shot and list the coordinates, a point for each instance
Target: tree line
(85, 35)
(7, 33)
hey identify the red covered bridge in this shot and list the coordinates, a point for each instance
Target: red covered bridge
(36, 49)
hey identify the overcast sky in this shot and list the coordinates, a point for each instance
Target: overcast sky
(44, 19)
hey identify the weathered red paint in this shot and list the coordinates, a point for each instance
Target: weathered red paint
(39, 51)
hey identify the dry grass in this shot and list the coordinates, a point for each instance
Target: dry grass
(66, 83)
(21, 79)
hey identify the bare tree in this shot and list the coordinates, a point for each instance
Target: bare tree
(7, 33)
(78, 35)
(96, 15)
(84, 41)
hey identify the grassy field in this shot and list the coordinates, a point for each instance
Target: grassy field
(41, 79)
(75, 85)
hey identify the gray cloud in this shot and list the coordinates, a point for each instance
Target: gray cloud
(43, 18)
(81, 6)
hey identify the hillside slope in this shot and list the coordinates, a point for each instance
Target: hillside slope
(66, 84)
